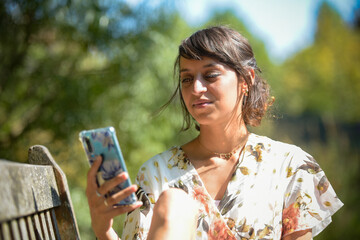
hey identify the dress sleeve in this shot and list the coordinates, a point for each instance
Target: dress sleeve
(310, 200)
(137, 222)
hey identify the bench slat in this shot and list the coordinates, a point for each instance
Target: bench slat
(44, 226)
(5, 230)
(54, 222)
(15, 230)
(30, 227)
(49, 224)
(29, 189)
(37, 225)
(23, 229)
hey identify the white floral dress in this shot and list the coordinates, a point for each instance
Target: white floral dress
(275, 190)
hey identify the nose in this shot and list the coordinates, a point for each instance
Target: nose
(199, 85)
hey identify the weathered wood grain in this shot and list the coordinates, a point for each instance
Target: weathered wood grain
(26, 189)
(35, 199)
(65, 216)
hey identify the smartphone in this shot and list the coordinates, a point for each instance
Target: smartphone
(103, 142)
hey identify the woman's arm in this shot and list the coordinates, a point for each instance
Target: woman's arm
(299, 235)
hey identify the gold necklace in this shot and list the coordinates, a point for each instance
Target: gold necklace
(225, 156)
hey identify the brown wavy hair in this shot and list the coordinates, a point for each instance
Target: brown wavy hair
(231, 48)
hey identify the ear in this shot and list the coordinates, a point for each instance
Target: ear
(252, 75)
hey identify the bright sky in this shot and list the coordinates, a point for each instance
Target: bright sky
(286, 26)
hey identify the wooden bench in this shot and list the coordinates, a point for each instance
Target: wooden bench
(35, 201)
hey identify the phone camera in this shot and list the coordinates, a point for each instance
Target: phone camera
(88, 144)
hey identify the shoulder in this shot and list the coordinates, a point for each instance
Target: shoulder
(161, 158)
(151, 175)
(286, 153)
(162, 165)
(270, 145)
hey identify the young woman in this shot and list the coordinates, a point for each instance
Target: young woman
(234, 184)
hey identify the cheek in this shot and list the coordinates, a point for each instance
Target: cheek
(232, 96)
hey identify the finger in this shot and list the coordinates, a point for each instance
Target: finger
(118, 210)
(107, 203)
(91, 176)
(110, 184)
(117, 197)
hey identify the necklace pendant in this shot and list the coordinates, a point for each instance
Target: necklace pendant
(226, 156)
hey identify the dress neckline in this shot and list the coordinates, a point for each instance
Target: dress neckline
(193, 170)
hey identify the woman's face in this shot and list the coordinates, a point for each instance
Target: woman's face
(211, 90)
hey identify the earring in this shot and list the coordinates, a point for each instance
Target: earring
(245, 92)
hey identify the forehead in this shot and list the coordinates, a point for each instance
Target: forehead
(187, 65)
(206, 62)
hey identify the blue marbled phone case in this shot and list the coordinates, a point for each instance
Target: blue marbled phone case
(103, 142)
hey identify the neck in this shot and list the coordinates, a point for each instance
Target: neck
(223, 139)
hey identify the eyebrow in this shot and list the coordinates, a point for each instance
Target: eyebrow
(205, 66)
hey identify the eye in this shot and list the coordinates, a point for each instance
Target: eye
(212, 75)
(186, 81)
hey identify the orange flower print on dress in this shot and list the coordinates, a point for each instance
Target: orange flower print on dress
(219, 230)
(201, 196)
(290, 218)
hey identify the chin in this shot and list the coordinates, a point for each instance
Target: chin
(202, 121)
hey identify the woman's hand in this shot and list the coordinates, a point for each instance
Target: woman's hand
(102, 210)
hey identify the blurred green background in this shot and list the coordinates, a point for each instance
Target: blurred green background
(69, 65)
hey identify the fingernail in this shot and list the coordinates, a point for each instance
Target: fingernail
(124, 175)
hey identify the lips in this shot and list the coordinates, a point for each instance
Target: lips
(201, 103)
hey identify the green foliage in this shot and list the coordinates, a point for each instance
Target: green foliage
(324, 78)
(318, 90)
(66, 66)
